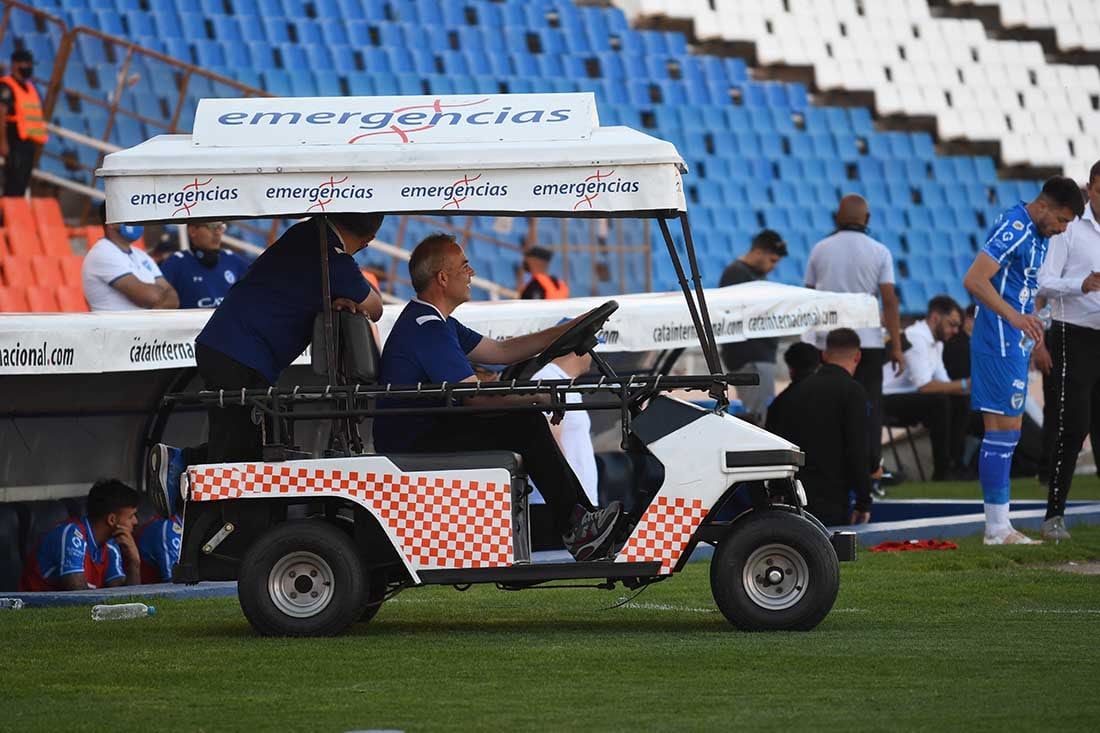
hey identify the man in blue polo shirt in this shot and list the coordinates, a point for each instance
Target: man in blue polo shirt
(96, 550)
(427, 345)
(203, 274)
(1004, 281)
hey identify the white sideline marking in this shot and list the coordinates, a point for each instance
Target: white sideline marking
(692, 609)
(1061, 611)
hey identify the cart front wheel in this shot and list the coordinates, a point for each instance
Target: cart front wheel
(774, 571)
(302, 579)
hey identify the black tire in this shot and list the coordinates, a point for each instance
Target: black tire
(756, 550)
(302, 578)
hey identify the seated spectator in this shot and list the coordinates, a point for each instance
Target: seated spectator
(203, 274)
(94, 551)
(923, 392)
(159, 539)
(956, 350)
(118, 276)
(574, 431)
(758, 354)
(802, 360)
(825, 414)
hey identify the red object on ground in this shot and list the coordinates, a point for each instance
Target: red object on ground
(910, 545)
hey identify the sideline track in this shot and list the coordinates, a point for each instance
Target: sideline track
(965, 519)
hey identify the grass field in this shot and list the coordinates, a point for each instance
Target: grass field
(1084, 487)
(977, 638)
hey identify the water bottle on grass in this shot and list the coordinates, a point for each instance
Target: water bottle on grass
(13, 604)
(1043, 314)
(116, 611)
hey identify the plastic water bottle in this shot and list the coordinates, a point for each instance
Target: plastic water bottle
(116, 611)
(1044, 314)
(11, 603)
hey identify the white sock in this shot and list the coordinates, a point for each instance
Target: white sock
(996, 520)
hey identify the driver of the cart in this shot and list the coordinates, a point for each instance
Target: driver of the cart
(428, 345)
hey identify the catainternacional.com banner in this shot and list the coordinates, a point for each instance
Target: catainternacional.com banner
(88, 343)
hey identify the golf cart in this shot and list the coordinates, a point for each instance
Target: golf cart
(318, 543)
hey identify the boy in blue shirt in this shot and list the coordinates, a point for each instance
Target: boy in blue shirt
(93, 551)
(1004, 281)
(203, 275)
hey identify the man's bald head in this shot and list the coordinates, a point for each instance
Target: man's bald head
(853, 211)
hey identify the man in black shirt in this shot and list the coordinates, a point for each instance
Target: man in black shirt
(825, 414)
(754, 355)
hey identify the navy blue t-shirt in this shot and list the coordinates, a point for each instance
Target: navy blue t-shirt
(199, 285)
(266, 319)
(423, 347)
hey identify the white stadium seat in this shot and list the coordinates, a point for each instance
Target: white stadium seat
(1001, 90)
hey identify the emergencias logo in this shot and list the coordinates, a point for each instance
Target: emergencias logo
(589, 189)
(456, 193)
(322, 194)
(402, 122)
(187, 198)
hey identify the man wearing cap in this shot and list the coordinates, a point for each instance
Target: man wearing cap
(542, 285)
(203, 274)
(21, 108)
(756, 355)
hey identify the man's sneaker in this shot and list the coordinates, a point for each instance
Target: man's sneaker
(1055, 529)
(1011, 537)
(592, 531)
(163, 481)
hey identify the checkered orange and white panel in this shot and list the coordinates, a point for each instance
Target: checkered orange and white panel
(439, 523)
(664, 531)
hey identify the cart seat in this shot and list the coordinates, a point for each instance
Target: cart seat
(357, 354)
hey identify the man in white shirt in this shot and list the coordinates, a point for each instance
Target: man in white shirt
(849, 261)
(118, 276)
(923, 392)
(1069, 280)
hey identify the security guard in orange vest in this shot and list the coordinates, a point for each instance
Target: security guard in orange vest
(21, 108)
(542, 285)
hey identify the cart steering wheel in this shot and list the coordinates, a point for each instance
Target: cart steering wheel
(578, 339)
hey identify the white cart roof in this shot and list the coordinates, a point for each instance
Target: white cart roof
(500, 154)
(141, 340)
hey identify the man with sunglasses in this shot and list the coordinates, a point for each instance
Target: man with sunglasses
(924, 392)
(203, 274)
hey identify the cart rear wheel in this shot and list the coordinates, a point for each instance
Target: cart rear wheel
(302, 579)
(774, 571)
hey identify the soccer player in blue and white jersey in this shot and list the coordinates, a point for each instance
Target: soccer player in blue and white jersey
(1004, 280)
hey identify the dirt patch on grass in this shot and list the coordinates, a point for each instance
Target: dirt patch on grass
(1080, 568)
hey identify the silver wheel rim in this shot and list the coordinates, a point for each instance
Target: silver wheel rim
(775, 577)
(301, 584)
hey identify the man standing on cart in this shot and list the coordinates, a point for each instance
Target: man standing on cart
(427, 345)
(260, 328)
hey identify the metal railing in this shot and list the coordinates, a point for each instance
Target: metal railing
(139, 92)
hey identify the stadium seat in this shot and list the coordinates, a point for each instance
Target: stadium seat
(52, 232)
(42, 299)
(20, 226)
(16, 270)
(13, 299)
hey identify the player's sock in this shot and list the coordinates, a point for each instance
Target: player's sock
(994, 464)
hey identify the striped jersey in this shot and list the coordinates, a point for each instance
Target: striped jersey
(1019, 250)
